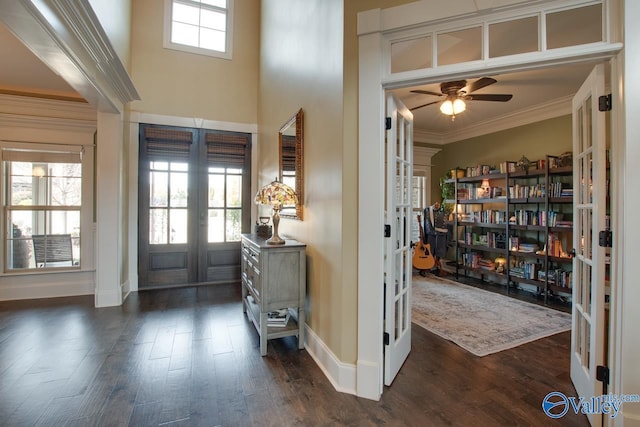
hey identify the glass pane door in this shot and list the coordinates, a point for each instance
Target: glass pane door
(193, 205)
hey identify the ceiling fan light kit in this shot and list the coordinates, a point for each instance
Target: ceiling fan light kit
(452, 108)
(457, 92)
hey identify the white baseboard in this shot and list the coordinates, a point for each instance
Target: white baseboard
(108, 298)
(341, 375)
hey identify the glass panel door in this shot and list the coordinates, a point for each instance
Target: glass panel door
(589, 182)
(398, 193)
(193, 205)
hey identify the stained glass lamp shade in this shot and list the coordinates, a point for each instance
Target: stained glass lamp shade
(277, 195)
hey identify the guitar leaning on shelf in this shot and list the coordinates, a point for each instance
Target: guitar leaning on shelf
(422, 257)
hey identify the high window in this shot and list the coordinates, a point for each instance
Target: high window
(199, 26)
(43, 208)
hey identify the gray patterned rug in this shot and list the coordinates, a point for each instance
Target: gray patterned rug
(480, 321)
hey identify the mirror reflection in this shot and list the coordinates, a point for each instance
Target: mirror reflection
(290, 150)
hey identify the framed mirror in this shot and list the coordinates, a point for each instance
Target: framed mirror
(291, 161)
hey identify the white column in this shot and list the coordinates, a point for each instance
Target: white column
(628, 339)
(369, 378)
(109, 193)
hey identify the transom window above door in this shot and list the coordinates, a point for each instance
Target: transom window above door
(538, 28)
(204, 27)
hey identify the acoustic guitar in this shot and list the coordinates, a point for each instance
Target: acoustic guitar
(422, 257)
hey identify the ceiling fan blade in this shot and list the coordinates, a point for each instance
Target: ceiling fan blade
(478, 84)
(426, 92)
(424, 105)
(489, 97)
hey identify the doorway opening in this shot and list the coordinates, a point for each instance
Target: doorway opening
(586, 288)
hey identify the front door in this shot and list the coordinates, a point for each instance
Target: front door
(194, 200)
(397, 271)
(590, 186)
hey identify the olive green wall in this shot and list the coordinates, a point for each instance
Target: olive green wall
(534, 141)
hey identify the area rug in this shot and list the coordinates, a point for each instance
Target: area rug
(480, 321)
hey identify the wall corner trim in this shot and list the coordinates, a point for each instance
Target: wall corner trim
(341, 375)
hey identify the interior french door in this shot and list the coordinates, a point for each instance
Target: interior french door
(194, 199)
(397, 270)
(589, 187)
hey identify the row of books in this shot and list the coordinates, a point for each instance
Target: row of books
(525, 270)
(542, 218)
(558, 277)
(515, 244)
(555, 246)
(492, 239)
(478, 193)
(517, 191)
(476, 260)
(560, 189)
(507, 167)
(527, 191)
(479, 170)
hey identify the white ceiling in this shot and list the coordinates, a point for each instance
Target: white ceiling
(541, 93)
(542, 90)
(22, 71)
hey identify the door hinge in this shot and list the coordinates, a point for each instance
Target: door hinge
(387, 123)
(602, 374)
(604, 103)
(387, 230)
(605, 238)
(385, 338)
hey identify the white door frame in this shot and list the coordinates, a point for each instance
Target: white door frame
(375, 27)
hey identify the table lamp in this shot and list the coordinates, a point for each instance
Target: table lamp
(277, 195)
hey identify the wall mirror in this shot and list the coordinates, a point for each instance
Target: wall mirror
(291, 161)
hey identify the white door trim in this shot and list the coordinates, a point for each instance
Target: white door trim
(373, 26)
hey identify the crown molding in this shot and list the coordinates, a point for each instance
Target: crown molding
(549, 110)
(46, 123)
(44, 107)
(68, 37)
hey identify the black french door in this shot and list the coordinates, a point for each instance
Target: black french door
(194, 198)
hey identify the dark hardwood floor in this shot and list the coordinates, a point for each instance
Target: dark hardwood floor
(189, 357)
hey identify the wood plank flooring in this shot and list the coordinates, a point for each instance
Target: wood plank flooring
(189, 357)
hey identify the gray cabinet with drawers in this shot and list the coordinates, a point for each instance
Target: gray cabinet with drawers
(274, 278)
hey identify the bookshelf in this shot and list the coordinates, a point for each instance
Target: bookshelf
(514, 227)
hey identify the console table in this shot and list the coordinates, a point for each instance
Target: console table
(274, 278)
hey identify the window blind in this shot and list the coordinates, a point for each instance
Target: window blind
(167, 144)
(225, 149)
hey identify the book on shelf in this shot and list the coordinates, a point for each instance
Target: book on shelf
(564, 223)
(528, 247)
(525, 270)
(278, 318)
(507, 167)
(518, 191)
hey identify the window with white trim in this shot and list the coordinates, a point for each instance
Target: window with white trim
(199, 26)
(43, 207)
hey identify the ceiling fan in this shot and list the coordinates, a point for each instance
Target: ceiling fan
(457, 92)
